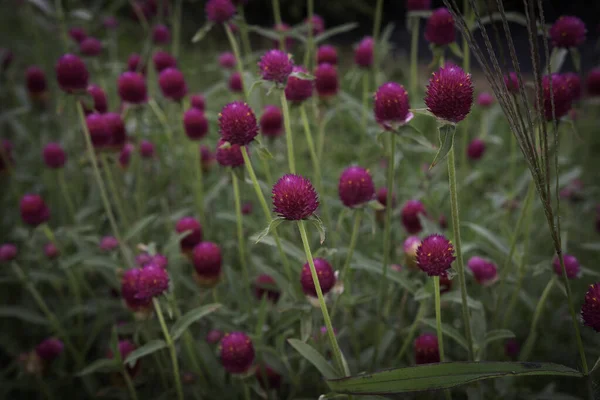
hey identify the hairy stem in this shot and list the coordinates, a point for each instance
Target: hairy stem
(171, 346)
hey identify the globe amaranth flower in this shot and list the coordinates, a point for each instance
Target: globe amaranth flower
(484, 271)
(326, 80)
(8, 252)
(592, 82)
(54, 155)
(418, 5)
(195, 124)
(237, 352)
(237, 123)
(435, 255)
(135, 64)
(356, 186)
(382, 196)
(247, 208)
(219, 11)
(125, 154)
(51, 251)
(271, 121)
(590, 310)
(297, 90)
(90, 47)
(100, 102)
(391, 105)
(198, 102)
(110, 22)
(36, 83)
(153, 281)
(559, 93)
(34, 210)
(445, 283)
(439, 29)
(207, 261)
(126, 347)
(363, 54)
(574, 84)
(275, 66)
(282, 29)
(214, 336)
(476, 149)
(410, 216)
(571, 266)
(163, 60)
(71, 73)
(50, 349)
(485, 100)
(116, 130)
(144, 259)
(227, 60)
(235, 83)
(324, 273)
(409, 247)
(77, 34)
(427, 349)
(511, 80)
(317, 23)
(229, 156)
(189, 241)
(327, 54)
(567, 31)
(172, 84)
(267, 377)
(294, 197)
(207, 157)
(131, 87)
(450, 94)
(264, 285)
(130, 290)
(161, 34)
(98, 130)
(146, 149)
(108, 243)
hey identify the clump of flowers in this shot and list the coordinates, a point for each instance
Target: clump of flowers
(435, 254)
(116, 130)
(590, 310)
(356, 186)
(567, 31)
(237, 352)
(324, 272)
(98, 130)
(391, 105)
(146, 149)
(100, 104)
(134, 64)
(77, 34)
(207, 261)
(511, 80)
(294, 197)
(317, 24)
(485, 100)
(574, 84)
(571, 266)
(51, 251)
(449, 94)
(484, 271)
(427, 349)
(440, 27)
(275, 66)
(271, 121)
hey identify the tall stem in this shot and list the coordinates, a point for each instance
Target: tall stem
(311, 147)
(310, 42)
(530, 342)
(171, 346)
(238, 59)
(457, 245)
(129, 384)
(113, 188)
(176, 28)
(288, 133)
(376, 30)
(414, 55)
(363, 120)
(64, 189)
(199, 184)
(240, 233)
(277, 16)
(438, 325)
(412, 330)
(244, 32)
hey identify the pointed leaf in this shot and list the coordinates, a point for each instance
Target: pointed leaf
(268, 33)
(557, 58)
(199, 35)
(139, 226)
(303, 75)
(102, 365)
(491, 237)
(23, 314)
(497, 334)
(181, 325)
(319, 225)
(375, 205)
(576, 57)
(455, 49)
(446, 133)
(275, 222)
(335, 31)
(306, 326)
(314, 358)
(149, 348)
(264, 153)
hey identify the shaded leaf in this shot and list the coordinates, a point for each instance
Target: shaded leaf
(491, 237)
(497, 334)
(303, 75)
(181, 325)
(314, 358)
(139, 226)
(275, 222)
(446, 135)
(335, 31)
(102, 365)
(149, 348)
(557, 58)
(23, 314)
(200, 33)
(455, 49)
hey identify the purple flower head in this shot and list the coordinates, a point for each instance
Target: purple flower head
(161, 34)
(275, 66)
(71, 73)
(391, 105)
(108, 243)
(235, 83)
(35, 79)
(198, 102)
(219, 11)
(172, 84)
(561, 94)
(294, 197)
(382, 196)
(90, 47)
(267, 377)
(49, 349)
(207, 261)
(327, 54)
(512, 348)
(410, 216)
(282, 29)
(116, 130)
(237, 352)
(98, 130)
(264, 285)
(324, 273)
(134, 64)
(426, 349)
(485, 100)
(326, 80)
(194, 236)
(439, 29)
(450, 94)
(445, 283)
(227, 60)
(571, 266)
(195, 124)
(100, 101)
(146, 149)
(77, 34)
(567, 31)
(131, 87)
(317, 23)
(125, 347)
(590, 310)
(214, 336)
(418, 5)
(34, 210)
(485, 272)
(271, 121)
(247, 208)
(410, 246)
(363, 54)
(125, 155)
(512, 82)
(435, 254)
(51, 251)
(574, 84)
(8, 252)
(207, 157)
(130, 289)
(110, 22)
(54, 155)
(237, 123)
(297, 90)
(592, 82)
(163, 60)
(355, 187)
(476, 149)
(152, 281)
(230, 156)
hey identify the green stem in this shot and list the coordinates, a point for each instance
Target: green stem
(199, 184)
(244, 32)
(311, 147)
(240, 234)
(363, 121)
(171, 346)
(457, 245)
(438, 317)
(113, 188)
(414, 55)
(411, 331)
(321, 138)
(238, 59)
(288, 133)
(277, 16)
(531, 339)
(376, 30)
(162, 118)
(334, 344)
(129, 384)
(310, 42)
(176, 28)
(64, 189)
(60, 16)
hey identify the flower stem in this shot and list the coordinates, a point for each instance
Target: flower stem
(531, 339)
(363, 121)
(244, 32)
(411, 331)
(162, 118)
(310, 42)
(240, 234)
(277, 16)
(130, 387)
(414, 55)
(311, 147)
(64, 189)
(199, 184)
(342, 367)
(438, 317)
(171, 346)
(176, 28)
(238, 59)
(376, 30)
(288, 133)
(458, 247)
(113, 188)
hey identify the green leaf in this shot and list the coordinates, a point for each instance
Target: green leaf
(303, 75)
(268, 33)
(335, 31)
(139, 226)
(314, 358)
(557, 58)
(264, 153)
(275, 222)
(491, 237)
(181, 325)
(397, 277)
(455, 49)
(319, 225)
(576, 57)
(306, 326)
(262, 315)
(510, 17)
(448, 331)
(455, 297)
(255, 84)
(23, 314)
(199, 35)
(375, 205)
(443, 376)
(102, 365)
(149, 348)
(288, 248)
(413, 133)
(497, 334)
(446, 134)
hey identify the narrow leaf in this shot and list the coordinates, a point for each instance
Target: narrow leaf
(181, 325)
(102, 365)
(491, 237)
(199, 35)
(497, 334)
(139, 227)
(455, 50)
(319, 225)
(314, 358)
(303, 75)
(557, 58)
(335, 31)
(275, 222)
(149, 348)
(23, 314)
(446, 133)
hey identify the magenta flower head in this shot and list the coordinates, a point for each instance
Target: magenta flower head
(54, 155)
(391, 105)
(409, 247)
(214, 336)
(172, 84)
(99, 97)
(363, 54)
(191, 225)
(98, 130)
(49, 349)
(207, 157)
(146, 149)
(297, 90)
(476, 149)
(440, 27)
(590, 311)
(229, 156)
(207, 261)
(219, 11)
(237, 123)
(282, 28)
(163, 60)
(567, 31)
(267, 377)
(198, 102)
(237, 352)
(356, 187)
(512, 348)
(34, 210)
(294, 197)
(110, 22)
(90, 47)
(410, 216)
(450, 94)
(125, 154)
(8, 252)
(132, 88)
(134, 64)
(324, 273)
(161, 34)
(108, 243)
(485, 272)
(35, 79)
(51, 251)
(71, 73)
(195, 124)
(152, 281)
(275, 66)
(227, 60)
(511, 81)
(317, 23)
(571, 266)
(592, 82)
(382, 196)
(426, 349)
(235, 83)
(116, 130)
(264, 285)
(77, 34)
(485, 100)
(574, 84)
(326, 80)
(327, 54)
(435, 254)
(271, 122)
(561, 94)
(418, 5)
(125, 347)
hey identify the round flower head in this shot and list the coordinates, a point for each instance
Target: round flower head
(327, 54)
(237, 352)
(439, 29)
(476, 149)
(108, 243)
(195, 124)
(355, 187)
(592, 82)
(34, 210)
(161, 34)
(485, 100)
(194, 236)
(207, 261)
(100, 101)
(567, 31)
(227, 60)
(152, 281)
(71, 73)
(198, 102)
(8, 252)
(207, 157)
(214, 336)
(54, 155)
(282, 28)
(512, 82)
(77, 34)
(317, 23)
(560, 93)
(275, 66)
(51, 251)
(485, 272)
(363, 54)
(125, 154)
(418, 5)
(382, 196)
(237, 123)
(590, 311)
(98, 130)
(391, 105)
(450, 94)
(219, 11)
(163, 60)
(294, 197)
(426, 349)
(110, 22)
(146, 149)
(571, 266)
(512, 348)
(230, 156)
(410, 246)
(130, 289)
(90, 47)
(410, 216)
(435, 254)
(116, 130)
(326, 80)
(132, 89)
(264, 285)
(125, 347)
(235, 83)
(271, 121)
(574, 84)
(172, 84)
(134, 64)
(297, 90)
(35, 79)
(49, 349)
(324, 273)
